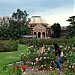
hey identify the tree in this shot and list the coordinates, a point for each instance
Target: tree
(4, 32)
(56, 28)
(71, 27)
(71, 20)
(19, 24)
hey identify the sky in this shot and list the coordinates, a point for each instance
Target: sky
(53, 11)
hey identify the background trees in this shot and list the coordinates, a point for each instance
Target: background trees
(18, 25)
(71, 27)
(56, 28)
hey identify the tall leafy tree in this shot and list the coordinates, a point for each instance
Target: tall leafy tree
(56, 28)
(19, 24)
(71, 27)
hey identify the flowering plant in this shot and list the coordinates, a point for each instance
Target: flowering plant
(17, 70)
(23, 67)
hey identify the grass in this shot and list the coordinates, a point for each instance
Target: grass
(10, 57)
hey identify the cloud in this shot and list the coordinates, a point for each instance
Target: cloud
(51, 10)
(56, 15)
(35, 4)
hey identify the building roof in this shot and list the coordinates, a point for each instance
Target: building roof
(49, 26)
(37, 20)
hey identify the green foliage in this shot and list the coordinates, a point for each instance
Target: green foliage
(4, 33)
(30, 54)
(10, 58)
(71, 62)
(71, 27)
(39, 42)
(8, 46)
(18, 71)
(71, 20)
(24, 41)
(42, 61)
(18, 25)
(13, 69)
(56, 28)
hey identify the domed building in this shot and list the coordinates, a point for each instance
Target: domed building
(39, 27)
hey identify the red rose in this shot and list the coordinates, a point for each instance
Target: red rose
(23, 67)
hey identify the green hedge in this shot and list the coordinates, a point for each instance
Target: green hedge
(39, 42)
(8, 46)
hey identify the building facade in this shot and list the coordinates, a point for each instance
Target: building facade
(42, 29)
(39, 27)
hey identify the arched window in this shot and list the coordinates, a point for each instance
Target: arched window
(39, 34)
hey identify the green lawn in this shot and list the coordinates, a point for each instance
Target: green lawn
(9, 57)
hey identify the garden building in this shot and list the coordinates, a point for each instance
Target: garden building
(41, 29)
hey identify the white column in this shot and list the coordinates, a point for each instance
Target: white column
(37, 34)
(41, 34)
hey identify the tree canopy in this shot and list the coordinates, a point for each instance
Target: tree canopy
(18, 25)
(56, 28)
(71, 27)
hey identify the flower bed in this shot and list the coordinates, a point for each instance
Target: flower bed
(45, 60)
(42, 61)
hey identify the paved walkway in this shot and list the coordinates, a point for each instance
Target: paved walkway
(41, 72)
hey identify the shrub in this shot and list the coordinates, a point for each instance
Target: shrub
(13, 69)
(8, 46)
(34, 59)
(39, 42)
(45, 58)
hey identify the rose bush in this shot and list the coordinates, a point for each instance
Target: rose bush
(8, 46)
(39, 42)
(46, 59)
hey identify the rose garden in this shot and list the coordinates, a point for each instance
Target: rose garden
(26, 54)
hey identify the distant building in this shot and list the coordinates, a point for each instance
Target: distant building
(64, 31)
(41, 28)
